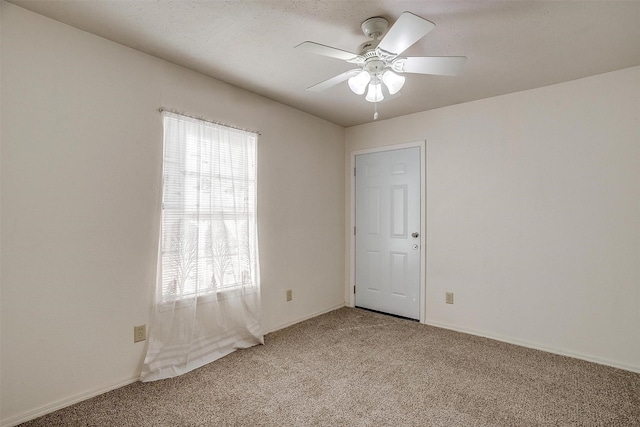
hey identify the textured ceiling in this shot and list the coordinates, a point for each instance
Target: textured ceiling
(510, 45)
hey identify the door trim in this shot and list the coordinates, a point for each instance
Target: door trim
(423, 228)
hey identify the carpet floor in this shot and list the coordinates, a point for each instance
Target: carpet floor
(352, 367)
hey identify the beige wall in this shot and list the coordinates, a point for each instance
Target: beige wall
(533, 214)
(81, 162)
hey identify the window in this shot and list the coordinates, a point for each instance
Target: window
(209, 236)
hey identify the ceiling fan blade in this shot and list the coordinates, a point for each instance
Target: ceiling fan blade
(438, 65)
(332, 52)
(407, 30)
(334, 80)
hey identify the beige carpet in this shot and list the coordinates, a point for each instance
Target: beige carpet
(356, 368)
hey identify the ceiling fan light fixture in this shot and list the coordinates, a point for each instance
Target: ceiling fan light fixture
(375, 92)
(358, 83)
(393, 81)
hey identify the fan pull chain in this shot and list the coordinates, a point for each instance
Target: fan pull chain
(375, 110)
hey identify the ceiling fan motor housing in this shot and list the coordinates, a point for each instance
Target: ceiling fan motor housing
(374, 66)
(372, 61)
(367, 49)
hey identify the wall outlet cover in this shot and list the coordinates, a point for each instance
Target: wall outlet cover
(139, 333)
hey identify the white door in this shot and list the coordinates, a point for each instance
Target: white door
(387, 241)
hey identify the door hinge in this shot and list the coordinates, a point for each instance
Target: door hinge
(354, 230)
(354, 289)
(354, 171)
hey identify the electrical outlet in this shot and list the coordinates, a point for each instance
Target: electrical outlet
(449, 298)
(289, 295)
(139, 333)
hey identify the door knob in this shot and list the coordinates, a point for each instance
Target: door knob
(415, 234)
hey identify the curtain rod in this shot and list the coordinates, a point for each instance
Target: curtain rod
(161, 109)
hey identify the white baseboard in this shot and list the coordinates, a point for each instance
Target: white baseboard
(293, 322)
(46, 409)
(527, 344)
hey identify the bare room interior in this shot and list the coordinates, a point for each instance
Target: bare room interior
(515, 257)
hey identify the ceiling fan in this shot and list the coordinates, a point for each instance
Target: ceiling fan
(379, 61)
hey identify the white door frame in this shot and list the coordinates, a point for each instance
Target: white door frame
(423, 198)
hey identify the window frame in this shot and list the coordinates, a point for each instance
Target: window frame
(209, 294)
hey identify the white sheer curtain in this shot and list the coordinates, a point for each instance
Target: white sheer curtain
(208, 283)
